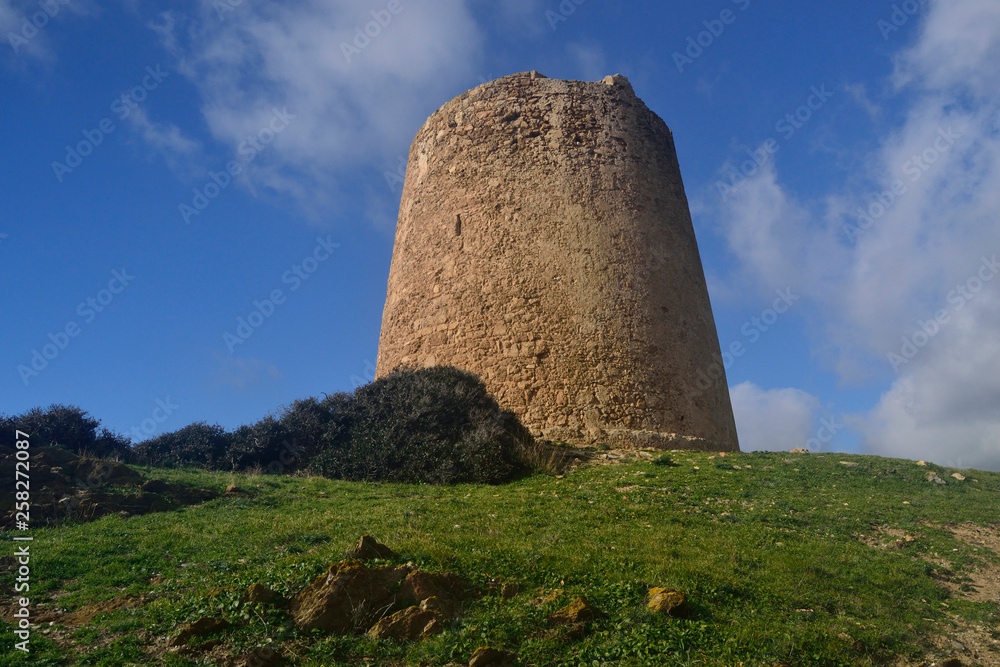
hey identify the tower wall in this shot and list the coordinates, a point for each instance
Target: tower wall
(544, 243)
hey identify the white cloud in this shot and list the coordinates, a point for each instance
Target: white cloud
(241, 374)
(24, 26)
(920, 243)
(776, 419)
(357, 100)
(181, 152)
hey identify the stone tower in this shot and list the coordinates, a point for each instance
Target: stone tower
(544, 243)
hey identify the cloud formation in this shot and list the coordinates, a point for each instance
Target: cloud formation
(773, 420)
(884, 259)
(356, 75)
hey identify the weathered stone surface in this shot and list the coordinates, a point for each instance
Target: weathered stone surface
(487, 656)
(368, 548)
(260, 594)
(447, 591)
(203, 626)
(544, 243)
(412, 623)
(348, 597)
(576, 612)
(667, 601)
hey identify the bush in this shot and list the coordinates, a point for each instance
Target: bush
(260, 445)
(306, 422)
(197, 444)
(437, 425)
(65, 426)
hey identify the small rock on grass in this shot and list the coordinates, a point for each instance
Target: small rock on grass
(203, 626)
(260, 594)
(935, 479)
(487, 656)
(368, 548)
(576, 612)
(412, 623)
(667, 601)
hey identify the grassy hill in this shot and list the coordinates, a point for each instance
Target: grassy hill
(785, 559)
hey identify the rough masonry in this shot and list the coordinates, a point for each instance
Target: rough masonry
(544, 242)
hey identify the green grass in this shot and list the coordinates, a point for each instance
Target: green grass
(768, 554)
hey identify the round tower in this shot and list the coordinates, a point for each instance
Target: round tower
(544, 243)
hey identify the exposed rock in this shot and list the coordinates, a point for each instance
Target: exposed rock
(203, 626)
(575, 613)
(960, 477)
(509, 591)
(412, 623)
(667, 601)
(65, 486)
(448, 589)
(487, 656)
(799, 450)
(348, 597)
(368, 548)
(849, 464)
(934, 478)
(260, 594)
(546, 598)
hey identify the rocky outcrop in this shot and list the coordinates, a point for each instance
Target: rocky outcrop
(65, 486)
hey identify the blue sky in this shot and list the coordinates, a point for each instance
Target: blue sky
(167, 166)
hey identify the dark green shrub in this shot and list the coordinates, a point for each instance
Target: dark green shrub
(197, 444)
(437, 425)
(258, 445)
(65, 426)
(306, 422)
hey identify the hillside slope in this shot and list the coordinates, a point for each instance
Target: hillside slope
(818, 559)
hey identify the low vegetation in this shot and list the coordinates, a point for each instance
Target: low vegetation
(784, 559)
(436, 425)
